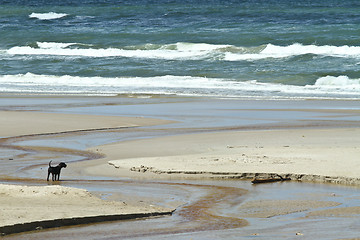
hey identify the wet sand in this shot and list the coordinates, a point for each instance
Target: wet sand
(33, 123)
(318, 142)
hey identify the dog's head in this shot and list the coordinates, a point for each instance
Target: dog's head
(63, 165)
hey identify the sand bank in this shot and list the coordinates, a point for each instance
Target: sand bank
(25, 208)
(323, 155)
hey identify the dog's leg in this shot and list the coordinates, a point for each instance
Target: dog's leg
(47, 179)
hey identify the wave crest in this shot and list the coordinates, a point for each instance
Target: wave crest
(53, 45)
(340, 81)
(187, 51)
(274, 51)
(178, 51)
(47, 16)
(326, 87)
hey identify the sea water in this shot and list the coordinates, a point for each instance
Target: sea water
(233, 48)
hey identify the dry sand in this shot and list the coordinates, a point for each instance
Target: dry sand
(324, 155)
(24, 208)
(31, 203)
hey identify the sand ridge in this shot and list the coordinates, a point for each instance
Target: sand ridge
(29, 204)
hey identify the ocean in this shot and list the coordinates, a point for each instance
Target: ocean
(267, 49)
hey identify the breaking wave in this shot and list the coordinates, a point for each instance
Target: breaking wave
(181, 51)
(325, 87)
(47, 16)
(273, 51)
(187, 51)
(343, 82)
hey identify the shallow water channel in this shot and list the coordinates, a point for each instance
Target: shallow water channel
(213, 210)
(205, 209)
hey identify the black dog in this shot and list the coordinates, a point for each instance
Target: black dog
(55, 171)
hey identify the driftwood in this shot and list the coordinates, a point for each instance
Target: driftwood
(268, 180)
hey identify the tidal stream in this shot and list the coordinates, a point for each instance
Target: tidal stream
(205, 209)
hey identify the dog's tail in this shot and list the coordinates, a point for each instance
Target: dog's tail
(50, 163)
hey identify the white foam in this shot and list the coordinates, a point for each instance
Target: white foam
(330, 87)
(168, 81)
(108, 52)
(178, 51)
(187, 51)
(47, 16)
(273, 51)
(195, 47)
(338, 82)
(53, 45)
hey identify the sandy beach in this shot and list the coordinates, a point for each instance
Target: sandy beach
(320, 154)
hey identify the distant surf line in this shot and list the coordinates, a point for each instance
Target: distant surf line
(187, 51)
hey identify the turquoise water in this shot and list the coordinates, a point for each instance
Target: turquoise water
(257, 49)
